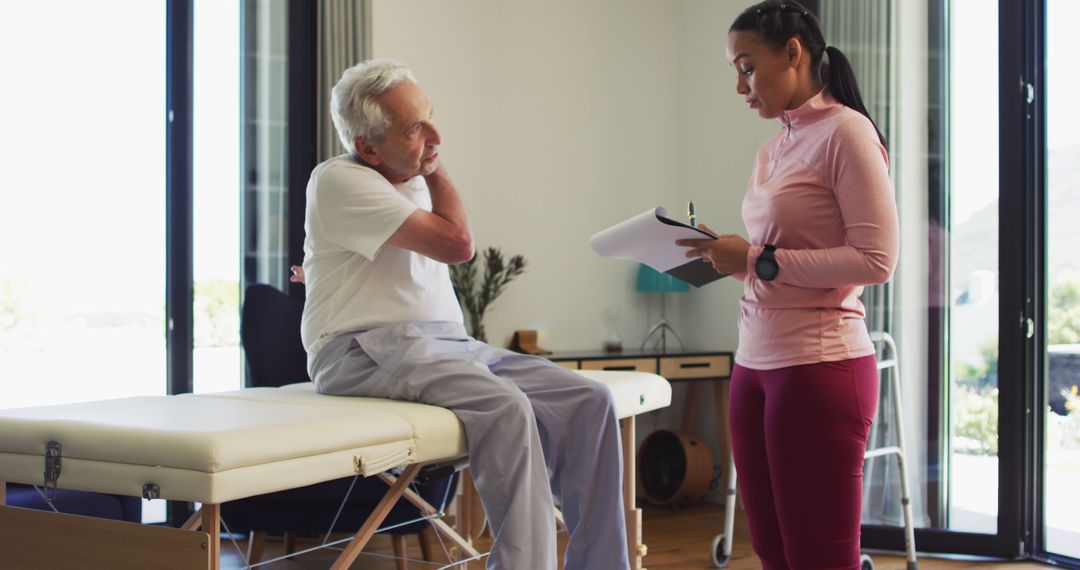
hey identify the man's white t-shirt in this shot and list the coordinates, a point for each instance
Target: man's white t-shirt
(354, 279)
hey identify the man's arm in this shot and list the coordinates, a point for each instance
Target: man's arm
(442, 234)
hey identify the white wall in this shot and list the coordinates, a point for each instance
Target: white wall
(718, 140)
(560, 118)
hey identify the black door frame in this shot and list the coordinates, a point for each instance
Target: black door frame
(179, 268)
(1037, 236)
(1019, 63)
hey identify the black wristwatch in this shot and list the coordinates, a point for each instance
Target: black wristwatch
(766, 267)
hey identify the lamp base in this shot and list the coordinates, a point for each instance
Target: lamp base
(662, 327)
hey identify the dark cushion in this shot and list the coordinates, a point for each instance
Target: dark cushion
(101, 505)
(311, 509)
(270, 334)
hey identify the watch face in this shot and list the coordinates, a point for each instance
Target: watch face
(766, 269)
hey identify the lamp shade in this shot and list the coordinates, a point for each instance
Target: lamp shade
(650, 280)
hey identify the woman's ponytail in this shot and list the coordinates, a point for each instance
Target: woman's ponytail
(777, 21)
(840, 77)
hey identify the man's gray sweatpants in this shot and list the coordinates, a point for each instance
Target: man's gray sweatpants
(534, 430)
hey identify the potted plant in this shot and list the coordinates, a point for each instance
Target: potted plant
(476, 298)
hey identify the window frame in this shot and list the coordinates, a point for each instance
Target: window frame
(302, 93)
(1018, 57)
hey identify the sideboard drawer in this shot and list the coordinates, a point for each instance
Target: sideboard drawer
(571, 364)
(637, 364)
(676, 367)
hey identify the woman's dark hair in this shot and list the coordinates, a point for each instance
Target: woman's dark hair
(777, 21)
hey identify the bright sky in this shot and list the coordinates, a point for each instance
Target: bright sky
(217, 176)
(974, 108)
(975, 97)
(82, 167)
(1063, 82)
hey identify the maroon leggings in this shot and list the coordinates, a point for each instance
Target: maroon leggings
(799, 434)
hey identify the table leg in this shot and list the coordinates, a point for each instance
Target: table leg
(256, 544)
(690, 406)
(637, 550)
(193, 522)
(377, 516)
(723, 435)
(465, 508)
(211, 524)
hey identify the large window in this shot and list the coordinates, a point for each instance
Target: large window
(82, 226)
(125, 162)
(266, 144)
(217, 178)
(969, 494)
(985, 301)
(1061, 500)
(125, 178)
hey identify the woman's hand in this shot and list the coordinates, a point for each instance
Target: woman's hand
(727, 253)
(297, 274)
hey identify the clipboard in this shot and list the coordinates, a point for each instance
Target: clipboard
(649, 238)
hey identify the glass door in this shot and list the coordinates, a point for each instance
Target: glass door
(1061, 453)
(969, 494)
(949, 117)
(217, 44)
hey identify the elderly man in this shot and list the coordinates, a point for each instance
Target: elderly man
(382, 320)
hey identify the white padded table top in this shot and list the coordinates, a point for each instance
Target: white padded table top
(209, 432)
(218, 447)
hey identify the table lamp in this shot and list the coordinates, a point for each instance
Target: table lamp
(650, 280)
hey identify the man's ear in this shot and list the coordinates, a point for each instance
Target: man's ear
(366, 151)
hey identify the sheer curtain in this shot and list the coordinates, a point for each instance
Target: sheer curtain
(344, 40)
(864, 31)
(266, 132)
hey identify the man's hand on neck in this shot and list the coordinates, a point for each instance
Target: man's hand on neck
(437, 176)
(443, 233)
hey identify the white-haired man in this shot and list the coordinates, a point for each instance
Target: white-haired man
(382, 320)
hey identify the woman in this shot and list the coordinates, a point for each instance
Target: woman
(821, 220)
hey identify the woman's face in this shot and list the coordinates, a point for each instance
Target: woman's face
(767, 78)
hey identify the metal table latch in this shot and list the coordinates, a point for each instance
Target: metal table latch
(52, 468)
(151, 491)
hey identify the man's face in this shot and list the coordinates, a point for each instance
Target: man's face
(410, 146)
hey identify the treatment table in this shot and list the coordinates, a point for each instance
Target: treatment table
(215, 448)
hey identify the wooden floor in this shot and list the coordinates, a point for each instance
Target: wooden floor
(677, 540)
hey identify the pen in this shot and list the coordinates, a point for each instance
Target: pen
(690, 213)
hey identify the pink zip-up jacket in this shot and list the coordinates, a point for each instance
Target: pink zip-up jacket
(821, 194)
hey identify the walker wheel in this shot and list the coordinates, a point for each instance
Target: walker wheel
(719, 558)
(866, 562)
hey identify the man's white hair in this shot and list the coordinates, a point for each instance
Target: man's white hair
(354, 104)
